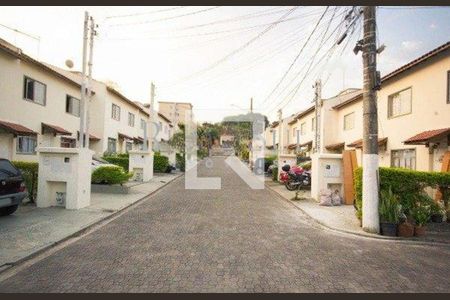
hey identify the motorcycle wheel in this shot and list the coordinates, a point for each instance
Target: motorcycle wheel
(290, 186)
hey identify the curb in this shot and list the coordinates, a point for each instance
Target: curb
(8, 266)
(375, 237)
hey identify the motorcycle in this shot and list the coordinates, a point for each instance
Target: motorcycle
(295, 178)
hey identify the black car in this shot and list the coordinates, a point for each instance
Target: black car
(12, 188)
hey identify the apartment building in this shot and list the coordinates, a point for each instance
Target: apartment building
(413, 116)
(175, 111)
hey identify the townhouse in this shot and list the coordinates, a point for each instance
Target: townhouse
(40, 106)
(413, 117)
(163, 134)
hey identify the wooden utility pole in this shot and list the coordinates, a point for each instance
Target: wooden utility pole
(280, 140)
(370, 216)
(92, 33)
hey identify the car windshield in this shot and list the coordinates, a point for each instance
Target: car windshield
(7, 169)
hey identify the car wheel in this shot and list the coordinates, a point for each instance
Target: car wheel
(5, 211)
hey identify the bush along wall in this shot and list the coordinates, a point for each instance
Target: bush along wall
(119, 160)
(180, 161)
(110, 175)
(275, 174)
(160, 162)
(407, 184)
(30, 173)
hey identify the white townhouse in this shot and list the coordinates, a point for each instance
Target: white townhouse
(413, 116)
(38, 106)
(164, 133)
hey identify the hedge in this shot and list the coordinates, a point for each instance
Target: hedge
(110, 175)
(268, 160)
(30, 174)
(407, 184)
(122, 161)
(180, 161)
(275, 174)
(160, 162)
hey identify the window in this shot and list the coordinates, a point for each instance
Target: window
(294, 130)
(34, 90)
(143, 124)
(68, 142)
(448, 87)
(115, 114)
(349, 121)
(112, 145)
(313, 124)
(128, 146)
(130, 119)
(399, 103)
(26, 145)
(298, 136)
(405, 158)
(303, 128)
(72, 106)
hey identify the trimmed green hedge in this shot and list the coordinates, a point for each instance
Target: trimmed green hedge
(122, 161)
(407, 184)
(180, 161)
(30, 174)
(160, 162)
(110, 175)
(275, 174)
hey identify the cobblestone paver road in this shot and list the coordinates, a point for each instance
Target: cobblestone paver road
(230, 240)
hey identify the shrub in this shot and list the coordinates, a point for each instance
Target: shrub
(160, 162)
(122, 161)
(268, 161)
(180, 161)
(421, 214)
(275, 174)
(407, 184)
(30, 174)
(110, 175)
(389, 208)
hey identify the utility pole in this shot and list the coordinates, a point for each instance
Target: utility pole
(152, 120)
(370, 216)
(92, 33)
(81, 143)
(251, 105)
(318, 105)
(280, 140)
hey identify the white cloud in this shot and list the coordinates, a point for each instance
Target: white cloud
(411, 45)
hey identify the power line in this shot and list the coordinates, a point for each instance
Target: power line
(296, 57)
(166, 18)
(245, 45)
(145, 13)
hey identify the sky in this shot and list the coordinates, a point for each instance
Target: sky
(218, 58)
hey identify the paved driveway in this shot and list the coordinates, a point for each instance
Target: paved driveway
(229, 240)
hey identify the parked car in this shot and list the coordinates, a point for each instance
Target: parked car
(12, 188)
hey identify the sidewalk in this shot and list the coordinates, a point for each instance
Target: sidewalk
(32, 229)
(342, 218)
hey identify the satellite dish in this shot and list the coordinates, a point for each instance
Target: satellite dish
(69, 63)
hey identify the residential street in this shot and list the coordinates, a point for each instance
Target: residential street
(230, 240)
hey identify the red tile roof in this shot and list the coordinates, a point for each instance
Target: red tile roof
(426, 136)
(93, 138)
(55, 129)
(335, 146)
(124, 136)
(417, 61)
(358, 143)
(164, 117)
(16, 129)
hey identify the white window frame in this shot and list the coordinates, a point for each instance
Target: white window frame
(352, 125)
(110, 140)
(32, 98)
(31, 148)
(143, 123)
(303, 128)
(68, 99)
(131, 119)
(115, 112)
(391, 98)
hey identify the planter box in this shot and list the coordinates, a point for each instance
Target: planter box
(109, 189)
